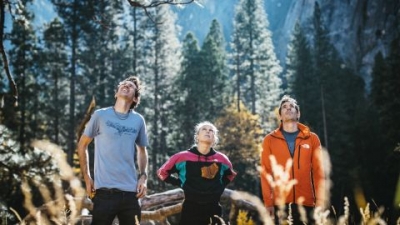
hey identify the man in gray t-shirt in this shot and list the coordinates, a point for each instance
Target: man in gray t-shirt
(119, 133)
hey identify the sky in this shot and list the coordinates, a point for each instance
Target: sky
(46, 10)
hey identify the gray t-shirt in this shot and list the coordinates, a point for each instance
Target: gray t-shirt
(115, 141)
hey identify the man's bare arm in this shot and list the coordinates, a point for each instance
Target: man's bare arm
(83, 143)
(142, 158)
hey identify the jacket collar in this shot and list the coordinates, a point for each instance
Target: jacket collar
(194, 150)
(304, 131)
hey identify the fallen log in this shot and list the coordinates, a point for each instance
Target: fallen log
(159, 206)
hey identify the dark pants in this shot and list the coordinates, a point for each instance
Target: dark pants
(108, 204)
(296, 216)
(194, 213)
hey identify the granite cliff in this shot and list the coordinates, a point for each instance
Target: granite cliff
(358, 28)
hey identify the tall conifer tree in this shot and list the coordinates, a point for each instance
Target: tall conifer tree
(300, 77)
(188, 93)
(134, 39)
(202, 84)
(254, 64)
(54, 82)
(75, 16)
(19, 161)
(99, 57)
(214, 73)
(384, 94)
(160, 59)
(335, 106)
(22, 60)
(322, 57)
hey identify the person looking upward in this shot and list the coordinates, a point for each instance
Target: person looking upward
(294, 141)
(119, 133)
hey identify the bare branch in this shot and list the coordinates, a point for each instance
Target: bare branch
(88, 114)
(135, 3)
(13, 86)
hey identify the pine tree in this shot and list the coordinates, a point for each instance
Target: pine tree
(380, 79)
(54, 82)
(384, 94)
(19, 161)
(300, 77)
(135, 39)
(386, 98)
(322, 58)
(335, 106)
(75, 16)
(202, 87)
(22, 55)
(161, 61)
(189, 93)
(214, 73)
(100, 57)
(254, 64)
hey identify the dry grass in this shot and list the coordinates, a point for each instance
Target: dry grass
(60, 207)
(65, 208)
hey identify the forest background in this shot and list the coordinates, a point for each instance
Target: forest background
(79, 57)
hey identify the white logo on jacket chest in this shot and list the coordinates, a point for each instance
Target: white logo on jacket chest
(307, 146)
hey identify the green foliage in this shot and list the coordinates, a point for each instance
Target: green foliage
(302, 81)
(385, 92)
(16, 166)
(161, 69)
(214, 73)
(100, 56)
(188, 95)
(380, 75)
(22, 59)
(76, 16)
(201, 87)
(241, 134)
(54, 83)
(253, 62)
(384, 95)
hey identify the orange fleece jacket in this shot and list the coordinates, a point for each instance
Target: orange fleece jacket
(307, 167)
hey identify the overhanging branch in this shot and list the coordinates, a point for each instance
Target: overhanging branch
(13, 86)
(136, 3)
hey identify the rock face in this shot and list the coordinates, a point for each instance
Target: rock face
(358, 28)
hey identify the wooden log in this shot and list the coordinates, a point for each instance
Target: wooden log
(166, 198)
(159, 206)
(162, 213)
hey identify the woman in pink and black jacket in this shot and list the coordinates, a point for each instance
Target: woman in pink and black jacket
(202, 173)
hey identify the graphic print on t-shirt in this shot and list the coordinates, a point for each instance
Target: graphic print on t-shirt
(121, 129)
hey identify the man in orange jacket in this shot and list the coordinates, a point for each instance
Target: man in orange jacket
(304, 185)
